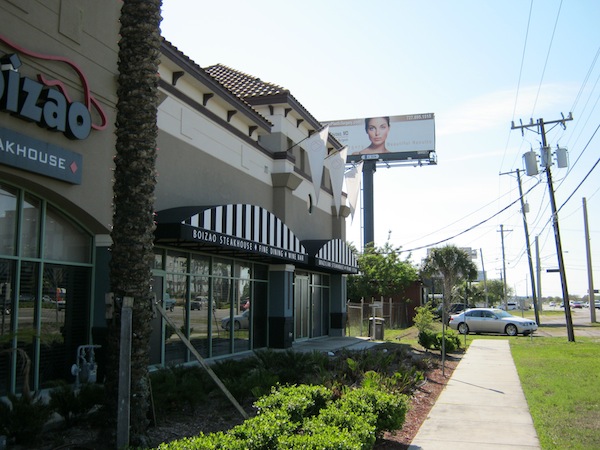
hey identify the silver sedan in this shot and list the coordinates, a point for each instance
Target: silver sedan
(490, 320)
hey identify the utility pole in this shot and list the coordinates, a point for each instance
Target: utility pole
(504, 268)
(547, 162)
(538, 269)
(591, 294)
(528, 245)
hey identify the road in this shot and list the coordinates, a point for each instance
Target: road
(555, 324)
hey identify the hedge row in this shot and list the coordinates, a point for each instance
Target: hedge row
(309, 417)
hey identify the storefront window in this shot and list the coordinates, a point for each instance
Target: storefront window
(8, 220)
(45, 307)
(200, 265)
(30, 227)
(24, 310)
(63, 240)
(176, 262)
(63, 320)
(200, 314)
(223, 313)
(158, 259)
(211, 301)
(174, 304)
(222, 267)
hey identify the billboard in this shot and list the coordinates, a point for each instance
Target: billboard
(388, 138)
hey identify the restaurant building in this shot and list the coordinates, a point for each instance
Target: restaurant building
(250, 247)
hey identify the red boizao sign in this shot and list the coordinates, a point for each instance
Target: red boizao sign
(47, 102)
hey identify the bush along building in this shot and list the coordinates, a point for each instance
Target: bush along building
(250, 247)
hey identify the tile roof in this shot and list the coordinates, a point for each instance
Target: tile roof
(243, 85)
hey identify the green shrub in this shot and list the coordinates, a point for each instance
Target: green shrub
(355, 417)
(317, 435)
(298, 402)
(264, 430)
(424, 317)
(22, 418)
(176, 386)
(452, 341)
(73, 404)
(307, 417)
(427, 339)
(399, 383)
(389, 409)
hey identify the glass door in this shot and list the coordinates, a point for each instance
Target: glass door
(301, 307)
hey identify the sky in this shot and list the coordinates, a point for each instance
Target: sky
(478, 66)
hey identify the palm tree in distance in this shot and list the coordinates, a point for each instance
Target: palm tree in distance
(453, 265)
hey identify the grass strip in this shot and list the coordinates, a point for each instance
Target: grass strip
(560, 382)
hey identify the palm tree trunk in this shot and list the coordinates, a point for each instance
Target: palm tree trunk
(132, 235)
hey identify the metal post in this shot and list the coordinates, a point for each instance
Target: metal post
(369, 167)
(124, 406)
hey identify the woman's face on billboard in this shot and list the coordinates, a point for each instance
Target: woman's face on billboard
(378, 130)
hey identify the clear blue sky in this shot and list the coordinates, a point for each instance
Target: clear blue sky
(478, 65)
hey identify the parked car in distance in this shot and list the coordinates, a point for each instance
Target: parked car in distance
(198, 303)
(61, 305)
(240, 322)
(597, 304)
(491, 320)
(577, 305)
(510, 306)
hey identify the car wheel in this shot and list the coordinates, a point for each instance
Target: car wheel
(463, 328)
(237, 325)
(511, 329)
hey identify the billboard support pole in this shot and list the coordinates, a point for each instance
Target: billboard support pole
(369, 168)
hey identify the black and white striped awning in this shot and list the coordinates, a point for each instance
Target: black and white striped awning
(334, 255)
(237, 229)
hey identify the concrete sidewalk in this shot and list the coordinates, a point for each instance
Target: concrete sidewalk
(482, 406)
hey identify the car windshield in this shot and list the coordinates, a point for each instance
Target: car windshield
(501, 313)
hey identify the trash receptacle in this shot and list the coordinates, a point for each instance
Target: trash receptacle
(376, 327)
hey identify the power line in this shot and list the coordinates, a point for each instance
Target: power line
(470, 228)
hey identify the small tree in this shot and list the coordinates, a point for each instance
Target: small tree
(382, 273)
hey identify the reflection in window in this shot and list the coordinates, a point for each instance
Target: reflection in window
(176, 262)
(200, 265)
(223, 311)
(46, 307)
(30, 227)
(8, 220)
(222, 267)
(200, 315)
(63, 240)
(174, 304)
(158, 258)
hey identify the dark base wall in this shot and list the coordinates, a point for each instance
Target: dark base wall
(281, 332)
